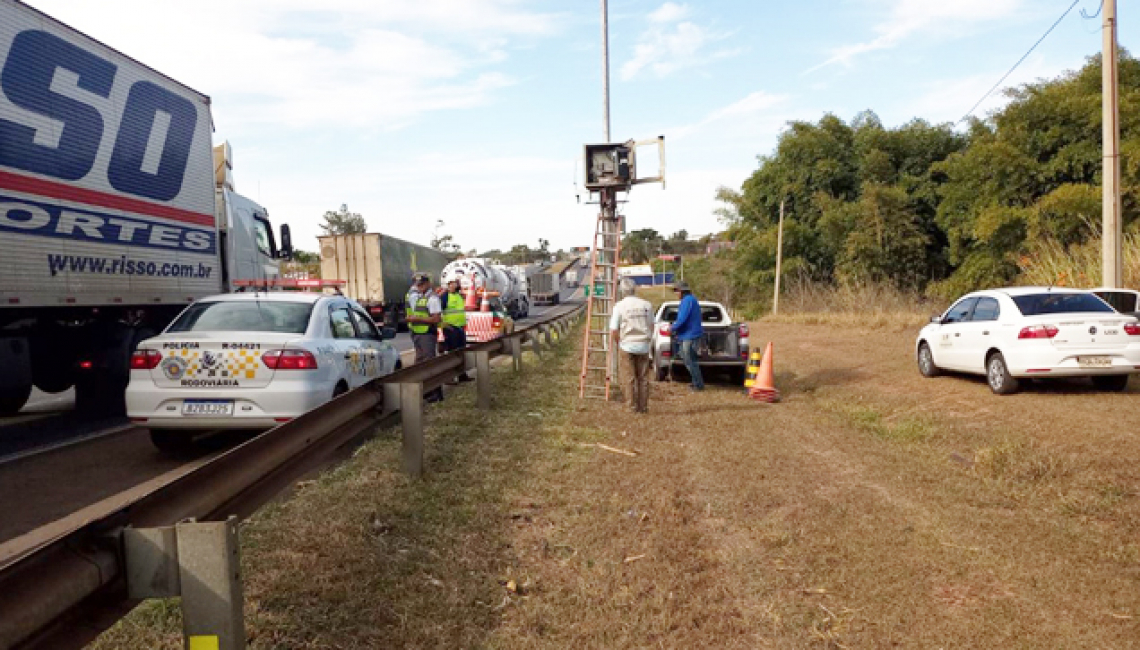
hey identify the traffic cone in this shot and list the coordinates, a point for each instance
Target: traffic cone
(764, 386)
(472, 302)
(485, 305)
(753, 369)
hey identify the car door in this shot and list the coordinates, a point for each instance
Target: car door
(346, 342)
(949, 351)
(977, 335)
(373, 357)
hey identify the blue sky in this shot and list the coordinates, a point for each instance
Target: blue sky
(474, 112)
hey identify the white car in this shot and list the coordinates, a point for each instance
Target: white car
(725, 344)
(1030, 332)
(252, 361)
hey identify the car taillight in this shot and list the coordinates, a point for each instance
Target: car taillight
(1132, 329)
(1037, 332)
(145, 359)
(290, 360)
(743, 330)
(496, 322)
(663, 330)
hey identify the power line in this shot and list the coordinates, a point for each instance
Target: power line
(1019, 61)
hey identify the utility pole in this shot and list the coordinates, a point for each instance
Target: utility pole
(606, 68)
(1111, 263)
(779, 259)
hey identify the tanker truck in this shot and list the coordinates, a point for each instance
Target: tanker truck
(115, 211)
(498, 280)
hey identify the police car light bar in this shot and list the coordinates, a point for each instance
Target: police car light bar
(290, 283)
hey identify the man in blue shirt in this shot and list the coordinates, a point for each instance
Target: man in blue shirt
(687, 331)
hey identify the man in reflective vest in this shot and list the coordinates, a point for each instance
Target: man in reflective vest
(424, 316)
(454, 321)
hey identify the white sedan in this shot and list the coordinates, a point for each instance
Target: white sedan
(1027, 332)
(252, 361)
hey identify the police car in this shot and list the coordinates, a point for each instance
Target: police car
(252, 361)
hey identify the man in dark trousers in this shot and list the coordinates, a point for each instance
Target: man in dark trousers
(687, 332)
(454, 321)
(424, 316)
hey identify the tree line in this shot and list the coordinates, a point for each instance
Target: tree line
(934, 208)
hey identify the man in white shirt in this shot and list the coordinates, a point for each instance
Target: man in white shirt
(631, 329)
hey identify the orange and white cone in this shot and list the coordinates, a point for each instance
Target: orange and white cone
(763, 388)
(472, 301)
(485, 305)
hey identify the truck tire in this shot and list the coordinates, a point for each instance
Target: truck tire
(103, 391)
(53, 350)
(13, 398)
(16, 377)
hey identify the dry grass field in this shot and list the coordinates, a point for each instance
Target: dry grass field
(871, 508)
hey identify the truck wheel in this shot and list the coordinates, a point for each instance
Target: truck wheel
(53, 351)
(662, 372)
(173, 442)
(13, 398)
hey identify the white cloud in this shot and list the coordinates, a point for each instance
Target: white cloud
(752, 107)
(671, 43)
(669, 13)
(909, 18)
(947, 100)
(375, 64)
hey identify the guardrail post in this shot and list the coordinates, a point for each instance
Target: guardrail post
(412, 421)
(199, 562)
(210, 573)
(516, 352)
(546, 334)
(480, 362)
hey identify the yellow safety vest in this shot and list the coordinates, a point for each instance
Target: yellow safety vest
(420, 310)
(454, 314)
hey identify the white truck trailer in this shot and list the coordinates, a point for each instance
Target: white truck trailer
(113, 214)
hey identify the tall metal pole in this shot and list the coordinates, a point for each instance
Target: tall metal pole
(1112, 265)
(779, 259)
(606, 68)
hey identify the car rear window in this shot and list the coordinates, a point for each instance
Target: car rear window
(245, 316)
(709, 314)
(1037, 304)
(1121, 301)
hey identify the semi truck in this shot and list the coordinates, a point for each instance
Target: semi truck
(377, 270)
(115, 211)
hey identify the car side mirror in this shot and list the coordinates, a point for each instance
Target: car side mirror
(936, 319)
(286, 251)
(387, 333)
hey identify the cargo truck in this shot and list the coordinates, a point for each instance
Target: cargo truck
(115, 211)
(377, 270)
(545, 288)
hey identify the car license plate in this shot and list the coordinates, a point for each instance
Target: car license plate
(1094, 362)
(208, 407)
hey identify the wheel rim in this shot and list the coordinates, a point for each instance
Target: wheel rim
(924, 360)
(997, 373)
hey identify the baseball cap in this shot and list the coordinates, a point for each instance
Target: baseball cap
(681, 286)
(421, 277)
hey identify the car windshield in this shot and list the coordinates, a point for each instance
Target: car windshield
(1038, 304)
(709, 314)
(245, 316)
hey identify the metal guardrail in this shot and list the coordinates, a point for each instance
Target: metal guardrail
(67, 588)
